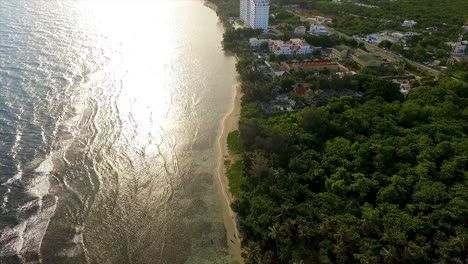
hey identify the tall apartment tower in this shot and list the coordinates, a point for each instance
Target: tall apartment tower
(244, 15)
(255, 13)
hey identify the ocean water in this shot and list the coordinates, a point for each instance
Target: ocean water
(109, 115)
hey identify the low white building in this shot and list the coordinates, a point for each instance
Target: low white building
(280, 48)
(301, 47)
(291, 47)
(409, 23)
(256, 43)
(301, 30)
(318, 30)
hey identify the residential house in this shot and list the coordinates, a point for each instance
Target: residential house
(291, 47)
(318, 30)
(300, 47)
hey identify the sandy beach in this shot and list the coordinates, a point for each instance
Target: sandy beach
(229, 123)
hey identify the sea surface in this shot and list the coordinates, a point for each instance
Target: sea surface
(109, 117)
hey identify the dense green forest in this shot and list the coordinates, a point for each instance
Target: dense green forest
(380, 179)
(374, 181)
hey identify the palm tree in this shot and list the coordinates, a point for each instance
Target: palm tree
(390, 255)
(252, 251)
(274, 231)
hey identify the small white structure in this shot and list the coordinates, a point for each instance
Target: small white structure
(411, 34)
(405, 87)
(301, 30)
(337, 1)
(374, 38)
(397, 35)
(460, 49)
(409, 23)
(318, 30)
(256, 43)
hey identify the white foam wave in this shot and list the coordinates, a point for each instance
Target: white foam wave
(26, 237)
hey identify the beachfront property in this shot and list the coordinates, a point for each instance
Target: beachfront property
(255, 13)
(409, 23)
(301, 30)
(318, 30)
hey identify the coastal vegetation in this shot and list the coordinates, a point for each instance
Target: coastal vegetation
(235, 170)
(378, 178)
(377, 181)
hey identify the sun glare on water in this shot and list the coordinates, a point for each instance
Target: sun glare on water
(141, 36)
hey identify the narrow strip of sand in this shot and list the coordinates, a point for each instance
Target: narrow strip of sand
(230, 123)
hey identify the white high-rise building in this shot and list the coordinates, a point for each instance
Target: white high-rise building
(255, 13)
(243, 11)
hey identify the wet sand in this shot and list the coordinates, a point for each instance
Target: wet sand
(229, 123)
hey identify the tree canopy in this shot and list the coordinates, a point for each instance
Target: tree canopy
(373, 181)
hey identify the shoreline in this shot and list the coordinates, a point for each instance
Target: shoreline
(229, 123)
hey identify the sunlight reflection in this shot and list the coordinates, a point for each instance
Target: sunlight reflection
(145, 42)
